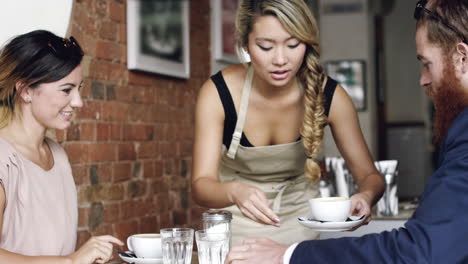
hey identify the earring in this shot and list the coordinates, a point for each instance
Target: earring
(27, 99)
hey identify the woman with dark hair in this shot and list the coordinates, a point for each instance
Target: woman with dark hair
(40, 80)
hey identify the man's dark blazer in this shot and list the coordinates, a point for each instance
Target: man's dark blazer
(436, 233)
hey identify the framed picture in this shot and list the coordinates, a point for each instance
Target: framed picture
(351, 75)
(158, 37)
(223, 19)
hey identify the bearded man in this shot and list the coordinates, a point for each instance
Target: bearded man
(437, 232)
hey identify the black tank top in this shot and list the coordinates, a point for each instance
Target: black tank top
(230, 111)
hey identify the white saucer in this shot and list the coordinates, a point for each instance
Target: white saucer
(330, 226)
(141, 260)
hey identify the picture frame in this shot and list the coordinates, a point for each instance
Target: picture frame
(158, 37)
(351, 75)
(223, 19)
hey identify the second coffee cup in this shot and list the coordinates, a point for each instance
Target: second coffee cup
(335, 209)
(145, 245)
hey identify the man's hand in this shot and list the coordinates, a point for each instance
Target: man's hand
(257, 251)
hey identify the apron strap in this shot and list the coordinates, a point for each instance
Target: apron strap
(236, 136)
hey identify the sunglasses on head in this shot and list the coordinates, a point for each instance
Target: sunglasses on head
(64, 45)
(421, 8)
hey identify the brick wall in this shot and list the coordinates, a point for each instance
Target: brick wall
(130, 145)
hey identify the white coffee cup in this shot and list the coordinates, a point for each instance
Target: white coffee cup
(145, 245)
(335, 209)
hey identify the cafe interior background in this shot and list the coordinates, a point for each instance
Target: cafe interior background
(130, 145)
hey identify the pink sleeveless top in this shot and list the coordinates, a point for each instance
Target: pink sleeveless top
(41, 210)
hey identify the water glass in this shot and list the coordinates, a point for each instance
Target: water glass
(212, 247)
(177, 245)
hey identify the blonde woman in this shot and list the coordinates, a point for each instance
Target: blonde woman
(259, 127)
(40, 80)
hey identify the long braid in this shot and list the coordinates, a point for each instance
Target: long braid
(314, 114)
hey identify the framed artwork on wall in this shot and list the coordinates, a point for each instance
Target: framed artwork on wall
(223, 19)
(158, 37)
(351, 74)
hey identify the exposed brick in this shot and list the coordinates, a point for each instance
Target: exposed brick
(109, 30)
(180, 218)
(96, 213)
(102, 152)
(136, 172)
(125, 229)
(149, 224)
(97, 90)
(116, 132)
(140, 78)
(123, 36)
(136, 189)
(73, 132)
(80, 174)
(103, 132)
(77, 152)
(117, 11)
(83, 217)
(105, 172)
(85, 90)
(101, 8)
(108, 50)
(114, 111)
(148, 169)
(138, 132)
(110, 91)
(147, 150)
(127, 209)
(87, 131)
(130, 145)
(90, 110)
(122, 171)
(103, 229)
(140, 113)
(96, 193)
(127, 151)
(165, 220)
(82, 237)
(111, 212)
(93, 174)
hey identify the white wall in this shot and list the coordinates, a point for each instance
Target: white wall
(21, 16)
(351, 36)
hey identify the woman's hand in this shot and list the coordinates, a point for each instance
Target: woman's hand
(97, 249)
(253, 203)
(361, 205)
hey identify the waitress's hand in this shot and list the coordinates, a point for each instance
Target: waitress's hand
(253, 203)
(361, 205)
(97, 249)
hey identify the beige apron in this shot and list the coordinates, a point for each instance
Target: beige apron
(277, 170)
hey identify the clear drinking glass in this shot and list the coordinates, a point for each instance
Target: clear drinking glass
(177, 244)
(212, 247)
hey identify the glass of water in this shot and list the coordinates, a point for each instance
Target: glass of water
(177, 244)
(212, 246)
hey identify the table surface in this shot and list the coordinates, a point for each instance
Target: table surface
(119, 261)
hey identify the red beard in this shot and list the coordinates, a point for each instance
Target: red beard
(449, 100)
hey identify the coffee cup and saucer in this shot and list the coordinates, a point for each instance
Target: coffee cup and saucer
(143, 249)
(330, 214)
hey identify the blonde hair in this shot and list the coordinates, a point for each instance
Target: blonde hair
(296, 17)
